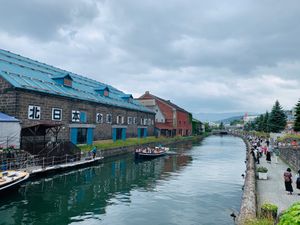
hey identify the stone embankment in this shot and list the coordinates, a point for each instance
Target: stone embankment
(249, 204)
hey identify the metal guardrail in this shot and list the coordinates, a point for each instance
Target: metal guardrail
(29, 162)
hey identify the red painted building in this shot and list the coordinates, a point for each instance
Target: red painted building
(170, 119)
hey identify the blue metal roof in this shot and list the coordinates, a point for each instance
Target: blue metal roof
(7, 118)
(29, 74)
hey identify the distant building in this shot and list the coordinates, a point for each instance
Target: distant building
(170, 119)
(248, 118)
(52, 103)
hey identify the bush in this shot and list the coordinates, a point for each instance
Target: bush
(269, 210)
(262, 169)
(263, 221)
(291, 216)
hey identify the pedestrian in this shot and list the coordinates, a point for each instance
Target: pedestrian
(257, 155)
(94, 151)
(268, 156)
(287, 175)
(298, 181)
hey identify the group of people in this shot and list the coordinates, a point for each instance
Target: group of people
(260, 147)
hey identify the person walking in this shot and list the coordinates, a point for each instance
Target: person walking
(287, 175)
(268, 156)
(298, 181)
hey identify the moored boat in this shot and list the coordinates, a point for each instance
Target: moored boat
(11, 179)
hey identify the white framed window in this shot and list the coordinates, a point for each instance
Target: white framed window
(56, 114)
(142, 121)
(108, 118)
(145, 121)
(99, 118)
(123, 120)
(129, 120)
(134, 120)
(34, 112)
(119, 119)
(75, 116)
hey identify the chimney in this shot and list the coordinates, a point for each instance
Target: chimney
(147, 92)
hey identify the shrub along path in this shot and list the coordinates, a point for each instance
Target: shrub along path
(273, 189)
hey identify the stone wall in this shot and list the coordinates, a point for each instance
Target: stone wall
(249, 204)
(291, 155)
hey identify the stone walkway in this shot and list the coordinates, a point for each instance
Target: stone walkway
(273, 189)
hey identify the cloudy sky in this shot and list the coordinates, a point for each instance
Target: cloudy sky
(206, 56)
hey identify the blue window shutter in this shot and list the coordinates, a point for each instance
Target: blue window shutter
(114, 134)
(123, 134)
(90, 136)
(139, 132)
(145, 132)
(82, 117)
(74, 133)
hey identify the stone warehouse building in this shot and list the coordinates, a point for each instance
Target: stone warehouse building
(170, 119)
(53, 104)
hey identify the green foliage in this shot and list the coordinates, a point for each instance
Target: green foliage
(277, 120)
(291, 216)
(221, 126)
(269, 207)
(289, 137)
(207, 127)
(263, 221)
(297, 117)
(109, 144)
(262, 169)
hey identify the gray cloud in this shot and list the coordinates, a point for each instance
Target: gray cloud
(204, 55)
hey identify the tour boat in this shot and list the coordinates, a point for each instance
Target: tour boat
(150, 152)
(12, 178)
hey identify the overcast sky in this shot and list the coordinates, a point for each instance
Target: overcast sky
(205, 56)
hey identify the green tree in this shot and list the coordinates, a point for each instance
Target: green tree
(277, 118)
(297, 117)
(207, 127)
(266, 123)
(260, 123)
(221, 126)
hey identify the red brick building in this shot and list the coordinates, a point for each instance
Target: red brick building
(170, 119)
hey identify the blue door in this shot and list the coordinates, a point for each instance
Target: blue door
(90, 136)
(124, 134)
(114, 134)
(74, 133)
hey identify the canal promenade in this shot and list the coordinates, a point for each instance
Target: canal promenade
(272, 190)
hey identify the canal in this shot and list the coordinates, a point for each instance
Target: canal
(200, 184)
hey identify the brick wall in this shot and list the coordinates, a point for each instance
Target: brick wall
(16, 102)
(7, 98)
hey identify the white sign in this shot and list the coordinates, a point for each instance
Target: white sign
(99, 118)
(75, 116)
(56, 114)
(34, 112)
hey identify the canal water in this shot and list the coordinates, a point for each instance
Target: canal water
(200, 184)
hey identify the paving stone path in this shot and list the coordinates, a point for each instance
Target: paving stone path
(273, 189)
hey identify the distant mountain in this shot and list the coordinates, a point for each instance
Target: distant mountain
(214, 117)
(231, 119)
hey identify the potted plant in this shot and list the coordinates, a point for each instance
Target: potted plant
(269, 211)
(262, 173)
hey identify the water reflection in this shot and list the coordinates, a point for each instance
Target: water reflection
(198, 185)
(87, 191)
